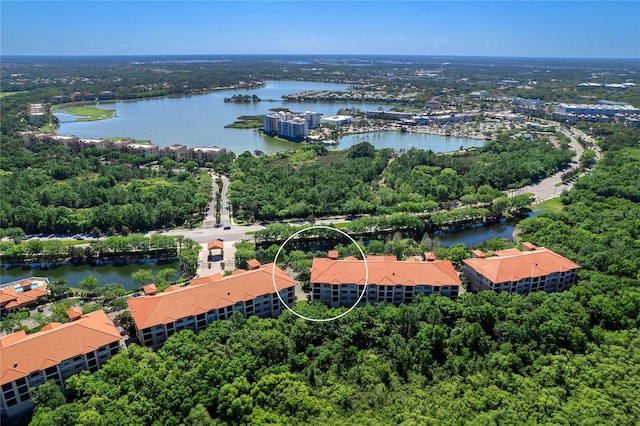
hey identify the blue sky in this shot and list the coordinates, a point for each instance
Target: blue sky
(574, 29)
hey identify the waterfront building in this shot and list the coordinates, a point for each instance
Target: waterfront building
(207, 299)
(21, 294)
(37, 112)
(337, 120)
(205, 154)
(294, 129)
(270, 122)
(147, 149)
(340, 282)
(56, 352)
(532, 269)
(176, 152)
(313, 119)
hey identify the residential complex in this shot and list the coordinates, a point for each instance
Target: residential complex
(601, 112)
(56, 352)
(194, 307)
(290, 126)
(176, 152)
(341, 282)
(21, 294)
(532, 269)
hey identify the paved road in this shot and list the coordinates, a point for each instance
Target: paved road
(553, 186)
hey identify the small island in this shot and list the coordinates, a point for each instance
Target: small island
(90, 113)
(243, 99)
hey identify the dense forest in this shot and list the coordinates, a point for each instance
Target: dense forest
(560, 358)
(313, 181)
(49, 189)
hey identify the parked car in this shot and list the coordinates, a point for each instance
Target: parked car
(226, 228)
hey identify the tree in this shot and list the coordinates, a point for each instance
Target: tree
(89, 283)
(500, 205)
(48, 395)
(244, 252)
(15, 234)
(190, 166)
(142, 276)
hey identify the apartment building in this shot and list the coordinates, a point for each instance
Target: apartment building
(205, 154)
(341, 282)
(532, 269)
(295, 129)
(207, 299)
(21, 294)
(176, 152)
(56, 352)
(290, 126)
(37, 112)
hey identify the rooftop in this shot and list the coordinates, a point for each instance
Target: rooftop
(384, 270)
(514, 265)
(23, 354)
(206, 294)
(23, 292)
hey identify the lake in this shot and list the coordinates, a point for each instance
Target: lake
(199, 120)
(106, 274)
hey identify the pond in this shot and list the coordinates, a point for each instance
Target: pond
(106, 274)
(477, 234)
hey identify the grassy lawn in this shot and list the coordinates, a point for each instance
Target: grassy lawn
(66, 243)
(3, 94)
(552, 204)
(90, 114)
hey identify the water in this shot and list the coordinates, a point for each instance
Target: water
(106, 274)
(478, 234)
(401, 140)
(199, 121)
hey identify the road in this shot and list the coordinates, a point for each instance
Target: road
(553, 186)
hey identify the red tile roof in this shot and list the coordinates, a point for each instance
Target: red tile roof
(206, 280)
(217, 244)
(253, 263)
(11, 298)
(164, 308)
(149, 289)
(437, 273)
(22, 354)
(429, 256)
(514, 265)
(74, 313)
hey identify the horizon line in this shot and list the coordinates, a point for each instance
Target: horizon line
(42, 55)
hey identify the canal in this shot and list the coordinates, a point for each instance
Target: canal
(106, 274)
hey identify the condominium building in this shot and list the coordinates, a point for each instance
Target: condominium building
(270, 122)
(341, 282)
(294, 129)
(313, 119)
(206, 153)
(56, 352)
(37, 112)
(290, 126)
(532, 269)
(175, 152)
(21, 294)
(207, 299)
